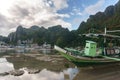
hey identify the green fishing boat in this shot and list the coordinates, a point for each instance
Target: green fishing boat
(91, 55)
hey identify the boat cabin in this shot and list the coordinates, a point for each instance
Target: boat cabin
(90, 49)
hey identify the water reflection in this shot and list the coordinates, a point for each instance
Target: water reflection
(25, 61)
(13, 51)
(71, 72)
(43, 75)
(5, 66)
(44, 51)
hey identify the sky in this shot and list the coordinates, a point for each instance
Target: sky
(47, 13)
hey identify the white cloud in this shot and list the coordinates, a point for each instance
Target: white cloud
(89, 10)
(60, 4)
(76, 11)
(77, 20)
(92, 9)
(31, 12)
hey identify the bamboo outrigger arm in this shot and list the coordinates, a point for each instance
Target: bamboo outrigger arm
(103, 35)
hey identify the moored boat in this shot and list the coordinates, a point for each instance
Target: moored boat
(91, 55)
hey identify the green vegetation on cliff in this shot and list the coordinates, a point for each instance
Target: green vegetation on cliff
(110, 18)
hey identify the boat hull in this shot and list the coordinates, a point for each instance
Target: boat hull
(81, 62)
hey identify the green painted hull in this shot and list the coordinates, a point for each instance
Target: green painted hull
(87, 62)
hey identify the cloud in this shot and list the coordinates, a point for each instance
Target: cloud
(76, 11)
(5, 25)
(88, 10)
(31, 12)
(60, 4)
(77, 20)
(92, 9)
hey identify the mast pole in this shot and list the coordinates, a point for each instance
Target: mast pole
(105, 34)
(105, 31)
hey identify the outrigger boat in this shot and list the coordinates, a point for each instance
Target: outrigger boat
(91, 55)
